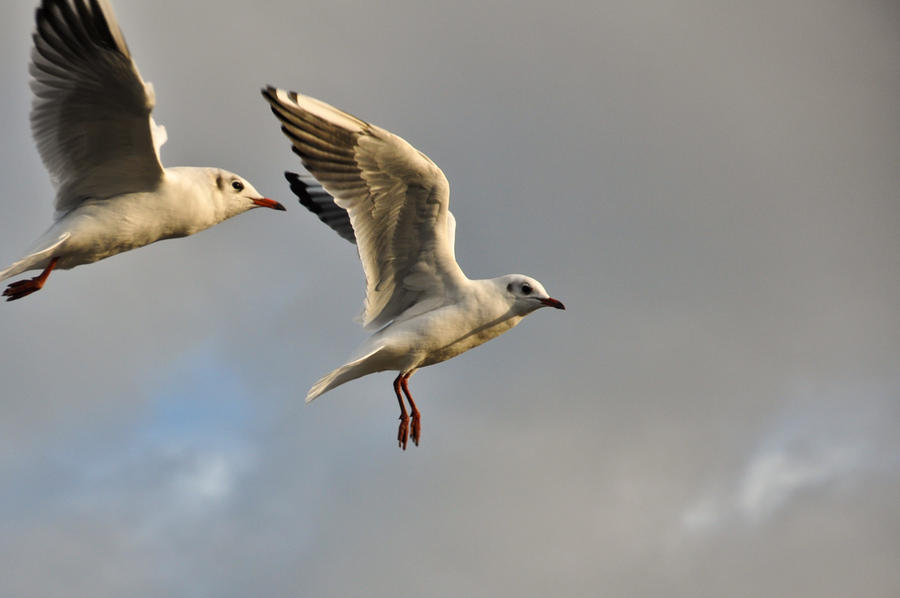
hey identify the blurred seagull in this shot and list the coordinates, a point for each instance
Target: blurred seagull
(391, 200)
(91, 121)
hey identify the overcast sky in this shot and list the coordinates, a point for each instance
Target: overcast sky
(711, 188)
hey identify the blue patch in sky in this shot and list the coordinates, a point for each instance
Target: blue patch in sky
(196, 405)
(200, 402)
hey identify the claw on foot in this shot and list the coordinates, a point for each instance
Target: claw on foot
(20, 289)
(23, 288)
(416, 427)
(403, 432)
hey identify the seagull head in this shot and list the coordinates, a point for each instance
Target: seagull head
(527, 294)
(237, 195)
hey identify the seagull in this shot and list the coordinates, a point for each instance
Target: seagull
(91, 120)
(378, 191)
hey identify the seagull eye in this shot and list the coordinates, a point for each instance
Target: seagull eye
(237, 186)
(526, 289)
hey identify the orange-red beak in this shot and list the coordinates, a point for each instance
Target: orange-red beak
(551, 302)
(265, 202)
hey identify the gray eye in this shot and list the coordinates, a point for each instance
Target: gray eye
(237, 186)
(526, 289)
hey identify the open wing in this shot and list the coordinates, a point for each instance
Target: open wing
(91, 111)
(395, 196)
(317, 200)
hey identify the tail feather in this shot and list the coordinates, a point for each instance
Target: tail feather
(366, 364)
(33, 261)
(22, 265)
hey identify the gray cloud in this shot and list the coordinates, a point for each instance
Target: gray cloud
(711, 188)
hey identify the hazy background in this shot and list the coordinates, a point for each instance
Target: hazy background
(711, 187)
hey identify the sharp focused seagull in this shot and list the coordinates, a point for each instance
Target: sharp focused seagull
(391, 200)
(91, 121)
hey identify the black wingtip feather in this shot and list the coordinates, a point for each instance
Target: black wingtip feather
(318, 201)
(300, 189)
(80, 29)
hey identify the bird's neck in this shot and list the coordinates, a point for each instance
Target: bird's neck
(489, 297)
(190, 200)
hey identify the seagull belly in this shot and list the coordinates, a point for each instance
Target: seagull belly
(443, 333)
(100, 229)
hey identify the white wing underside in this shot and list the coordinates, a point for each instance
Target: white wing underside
(91, 111)
(397, 200)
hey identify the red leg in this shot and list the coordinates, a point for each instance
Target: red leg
(416, 416)
(23, 288)
(403, 431)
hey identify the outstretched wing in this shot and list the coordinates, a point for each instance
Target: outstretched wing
(91, 111)
(395, 196)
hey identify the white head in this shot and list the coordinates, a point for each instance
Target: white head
(235, 195)
(527, 294)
